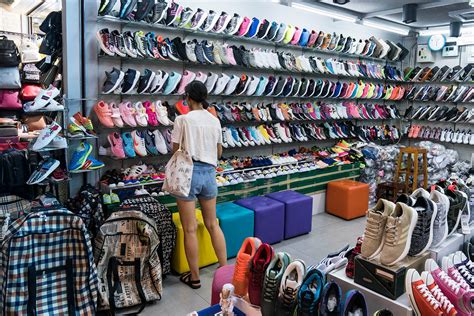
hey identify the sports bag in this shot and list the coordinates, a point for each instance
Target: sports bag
(47, 267)
(9, 54)
(179, 170)
(164, 222)
(128, 264)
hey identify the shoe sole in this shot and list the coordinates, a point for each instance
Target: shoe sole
(408, 288)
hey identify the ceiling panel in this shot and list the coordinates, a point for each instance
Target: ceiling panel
(367, 6)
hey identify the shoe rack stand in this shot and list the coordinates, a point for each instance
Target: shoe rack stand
(105, 63)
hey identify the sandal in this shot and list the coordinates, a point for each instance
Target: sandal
(186, 279)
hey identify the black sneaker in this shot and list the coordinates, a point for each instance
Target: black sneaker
(303, 87)
(288, 86)
(130, 80)
(237, 55)
(143, 9)
(172, 50)
(106, 42)
(106, 6)
(208, 51)
(126, 7)
(264, 28)
(355, 303)
(113, 80)
(145, 81)
(245, 56)
(242, 85)
(404, 52)
(311, 88)
(119, 44)
(180, 48)
(158, 12)
(450, 114)
(173, 12)
(280, 86)
(423, 231)
(457, 204)
(270, 87)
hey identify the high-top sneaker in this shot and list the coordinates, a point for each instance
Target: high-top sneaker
(271, 282)
(259, 264)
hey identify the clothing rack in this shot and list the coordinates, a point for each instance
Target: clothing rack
(22, 35)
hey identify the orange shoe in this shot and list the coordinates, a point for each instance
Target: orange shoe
(242, 265)
(284, 110)
(421, 299)
(211, 109)
(182, 107)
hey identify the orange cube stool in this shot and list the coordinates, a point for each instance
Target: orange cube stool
(347, 199)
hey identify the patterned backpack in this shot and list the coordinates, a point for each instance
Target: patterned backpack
(47, 266)
(164, 222)
(128, 265)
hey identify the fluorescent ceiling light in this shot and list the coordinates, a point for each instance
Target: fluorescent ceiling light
(331, 14)
(386, 27)
(434, 31)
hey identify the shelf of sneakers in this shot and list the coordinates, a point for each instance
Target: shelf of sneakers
(456, 75)
(441, 114)
(438, 134)
(441, 94)
(225, 37)
(301, 65)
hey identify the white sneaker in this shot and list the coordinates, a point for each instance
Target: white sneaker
(158, 81)
(140, 114)
(44, 97)
(252, 86)
(292, 280)
(221, 83)
(46, 135)
(160, 142)
(162, 114)
(139, 143)
(211, 81)
(231, 85)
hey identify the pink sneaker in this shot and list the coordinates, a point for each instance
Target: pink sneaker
(140, 114)
(244, 27)
(188, 76)
(116, 145)
(457, 295)
(127, 112)
(116, 118)
(311, 111)
(151, 112)
(451, 270)
(296, 37)
(104, 113)
(230, 56)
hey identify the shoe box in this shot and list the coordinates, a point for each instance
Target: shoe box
(450, 245)
(387, 281)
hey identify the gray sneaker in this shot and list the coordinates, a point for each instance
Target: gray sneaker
(457, 204)
(440, 227)
(190, 50)
(186, 18)
(423, 232)
(198, 19)
(271, 282)
(375, 228)
(398, 233)
(210, 21)
(158, 13)
(113, 80)
(234, 25)
(281, 33)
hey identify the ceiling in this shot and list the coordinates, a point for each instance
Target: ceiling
(429, 13)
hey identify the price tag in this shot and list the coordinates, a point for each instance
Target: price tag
(47, 59)
(466, 230)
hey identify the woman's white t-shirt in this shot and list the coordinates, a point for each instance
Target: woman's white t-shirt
(203, 133)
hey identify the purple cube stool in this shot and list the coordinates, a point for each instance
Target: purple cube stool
(222, 276)
(269, 218)
(298, 212)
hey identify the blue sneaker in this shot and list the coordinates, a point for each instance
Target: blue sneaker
(329, 66)
(331, 300)
(173, 80)
(304, 38)
(126, 7)
(93, 164)
(128, 144)
(208, 51)
(80, 155)
(199, 52)
(273, 31)
(235, 136)
(261, 86)
(150, 143)
(254, 27)
(310, 292)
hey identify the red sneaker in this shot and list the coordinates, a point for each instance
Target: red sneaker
(350, 257)
(259, 264)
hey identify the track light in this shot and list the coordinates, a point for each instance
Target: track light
(331, 14)
(386, 27)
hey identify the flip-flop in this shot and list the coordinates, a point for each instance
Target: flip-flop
(186, 279)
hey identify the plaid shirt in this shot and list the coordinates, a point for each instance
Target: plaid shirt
(47, 266)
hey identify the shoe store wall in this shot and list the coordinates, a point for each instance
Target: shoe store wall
(464, 57)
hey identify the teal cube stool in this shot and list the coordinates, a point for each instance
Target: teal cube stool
(237, 223)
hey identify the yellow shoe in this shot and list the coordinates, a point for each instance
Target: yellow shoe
(290, 31)
(360, 89)
(264, 133)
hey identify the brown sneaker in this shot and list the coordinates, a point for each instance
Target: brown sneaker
(375, 228)
(398, 232)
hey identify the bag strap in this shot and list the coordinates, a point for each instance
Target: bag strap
(183, 136)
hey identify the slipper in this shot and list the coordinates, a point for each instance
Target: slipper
(186, 279)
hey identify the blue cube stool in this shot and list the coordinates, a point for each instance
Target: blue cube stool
(298, 212)
(237, 223)
(269, 218)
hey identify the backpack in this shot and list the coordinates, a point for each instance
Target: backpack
(9, 54)
(87, 204)
(164, 222)
(128, 265)
(12, 207)
(47, 266)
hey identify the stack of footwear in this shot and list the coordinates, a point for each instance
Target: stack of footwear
(175, 15)
(447, 135)
(436, 113)
(438, 93)
(446, 290)
(150, 82)
(136, 174)
(149, 45)
(437, 74)
(137, 143)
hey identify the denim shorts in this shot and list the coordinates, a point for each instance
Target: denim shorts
(203, 182)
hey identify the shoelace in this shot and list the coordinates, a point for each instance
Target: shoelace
(306, 303)
(289, 296)
(449, 282)
(372, 228)
(239, 268)
(442, 299)
(466, 274)
(428, 296)
(391, 233)
(456, 276)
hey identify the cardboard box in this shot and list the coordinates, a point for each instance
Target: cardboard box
(387, 281)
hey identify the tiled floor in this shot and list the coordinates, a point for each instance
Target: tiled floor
(329, 233)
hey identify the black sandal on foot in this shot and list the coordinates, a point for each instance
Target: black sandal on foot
(186, 279)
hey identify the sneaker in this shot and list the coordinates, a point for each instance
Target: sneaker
(272, 280)
(440, 226)
(291, 282)
(459, 297)
(106, 7)
(127, 142)
(80, 156)
(258, 266)
(211, 20)
(242, 265)
(130, 80)
(158, 12)
(464, 279)
(106, 42)
(331, 300)
(43, 170)
(421, 299)
(457, 203)
(398, 232)
(139, 143)
(423, 232)
(173, 13)
(375, 228)
(46, 136)
(144, 7)
(113, 80)
(446, 306)
(173, 80)
(309, 293)
(150, 143)
(116, 145)
(355, 304)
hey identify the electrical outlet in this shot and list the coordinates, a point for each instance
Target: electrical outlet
(424, 54)
(450, 51)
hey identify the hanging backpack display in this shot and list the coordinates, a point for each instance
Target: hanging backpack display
(128, 264)
(47, 266)
(164, 222)
(9, 54)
